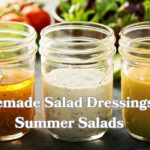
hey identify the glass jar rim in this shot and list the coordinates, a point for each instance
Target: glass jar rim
(14, 38)
(84, 25)
(135, 41)
(134, 27)
(79, 24)
(30, 35)
(101, 41)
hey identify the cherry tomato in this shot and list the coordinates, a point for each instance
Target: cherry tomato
(37, 17)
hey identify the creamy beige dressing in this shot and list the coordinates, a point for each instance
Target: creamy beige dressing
(73, 83)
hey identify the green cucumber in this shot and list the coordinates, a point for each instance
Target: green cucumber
(117, 67)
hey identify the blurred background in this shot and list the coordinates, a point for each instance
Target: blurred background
(41, 13)
(114, 13)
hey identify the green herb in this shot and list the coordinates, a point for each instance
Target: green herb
(103, 7)
(147, 9)
(115, 13)
(64, 6)
(76, 10)
(117, 67)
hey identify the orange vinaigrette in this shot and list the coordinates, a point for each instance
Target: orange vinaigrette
(135, 52)
(17, 68)
(136, 85)
(15, 85)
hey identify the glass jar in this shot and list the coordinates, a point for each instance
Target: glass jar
(135, 52)
(17, 62)
(77, 61)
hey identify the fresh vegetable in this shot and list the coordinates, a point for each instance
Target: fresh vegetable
(115, 13)
(75, 10)
(37, 17)
(14, 17)
(30, 12)
(117, 67)
(147, 9)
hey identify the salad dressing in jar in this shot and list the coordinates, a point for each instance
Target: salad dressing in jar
(77, 61)
(17, 58)
(135, 51)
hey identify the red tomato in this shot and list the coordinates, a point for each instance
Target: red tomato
(14, 17)
(37, 17)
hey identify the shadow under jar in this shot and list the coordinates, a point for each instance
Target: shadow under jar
(77, 61)
(17, 62)
(135, 84)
